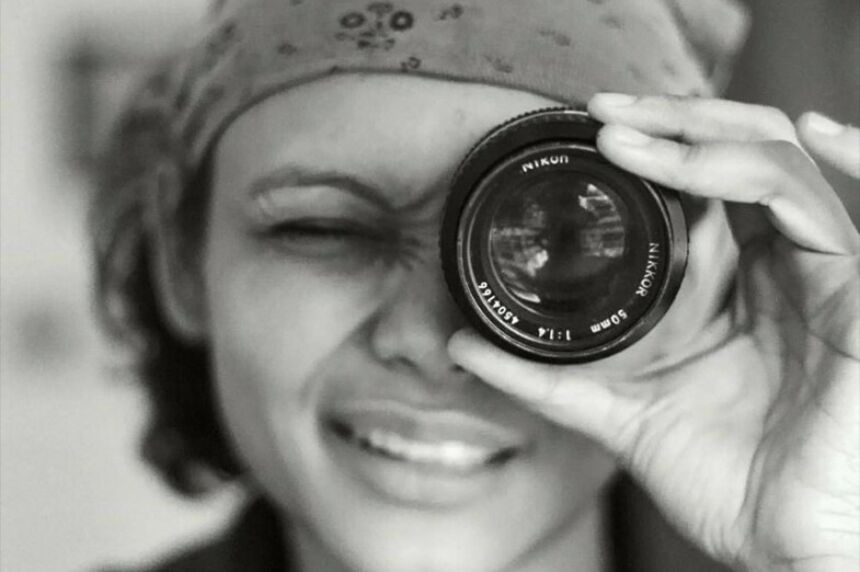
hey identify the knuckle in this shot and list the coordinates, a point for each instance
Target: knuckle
(653, 104)
(687, 107)
(781, 162)
(679, 100)
(785, 156)
(690, 155)
(670, 103)
(775, 124)
(678, 113)
(685, 173)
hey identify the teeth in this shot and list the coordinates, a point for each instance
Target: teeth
(450, 453)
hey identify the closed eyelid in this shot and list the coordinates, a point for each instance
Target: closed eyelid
(384, 198)
(292, 176)
(277, 206)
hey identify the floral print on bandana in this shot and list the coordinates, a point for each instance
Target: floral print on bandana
(375, 27)
(565, 49)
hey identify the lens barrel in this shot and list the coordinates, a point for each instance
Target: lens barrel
(552, 252)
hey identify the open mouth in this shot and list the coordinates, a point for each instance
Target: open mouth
(448, 453)
(446, 440)
(423, 455)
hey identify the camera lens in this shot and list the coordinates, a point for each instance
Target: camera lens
(552, 252)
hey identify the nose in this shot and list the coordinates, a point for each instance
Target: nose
(412, 328)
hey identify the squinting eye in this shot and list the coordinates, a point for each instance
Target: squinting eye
(315, 230)
(329, 238)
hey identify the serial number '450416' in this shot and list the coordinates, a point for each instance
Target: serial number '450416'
(495, 305)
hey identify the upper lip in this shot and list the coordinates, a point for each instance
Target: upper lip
(428, 425)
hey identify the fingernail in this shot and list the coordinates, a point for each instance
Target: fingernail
(823, 124)
(616, 99)
(628, 136)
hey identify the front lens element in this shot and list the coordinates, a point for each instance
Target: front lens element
(559, 242)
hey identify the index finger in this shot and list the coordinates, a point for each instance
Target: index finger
(565, 394)
(774, 174)
(693, 119)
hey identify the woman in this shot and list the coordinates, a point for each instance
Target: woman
(267, 241)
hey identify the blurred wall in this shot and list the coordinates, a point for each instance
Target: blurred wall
(801, 56)
(72, 491)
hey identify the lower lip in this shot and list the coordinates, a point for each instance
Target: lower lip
(417, 484)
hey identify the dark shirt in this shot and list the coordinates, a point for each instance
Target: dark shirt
(254, 543)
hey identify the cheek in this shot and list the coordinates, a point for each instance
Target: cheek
(274, 326)
(278, 316)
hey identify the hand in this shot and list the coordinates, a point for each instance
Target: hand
(751, 448)
(836, 144)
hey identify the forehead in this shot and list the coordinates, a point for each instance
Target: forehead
(406, 134)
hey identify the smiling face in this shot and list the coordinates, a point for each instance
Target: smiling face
(329, 318)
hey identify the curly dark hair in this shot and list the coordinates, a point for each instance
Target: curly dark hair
(184, 439)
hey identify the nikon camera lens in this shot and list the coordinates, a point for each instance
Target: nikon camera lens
(552, 252)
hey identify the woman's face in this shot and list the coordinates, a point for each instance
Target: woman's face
(329, 320)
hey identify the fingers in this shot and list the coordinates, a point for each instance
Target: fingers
(775, 174)
(625, 413)
(832, 142)
(693, 120)
(569, 396)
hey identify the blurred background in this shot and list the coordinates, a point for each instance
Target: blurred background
(73, 494)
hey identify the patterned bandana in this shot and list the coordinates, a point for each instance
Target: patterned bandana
(564, 49)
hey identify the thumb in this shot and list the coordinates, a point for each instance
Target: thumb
(573, 397)
(832, 142)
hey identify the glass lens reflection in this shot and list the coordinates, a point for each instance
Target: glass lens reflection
(557, 243)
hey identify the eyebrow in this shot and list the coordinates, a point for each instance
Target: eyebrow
(293, 175)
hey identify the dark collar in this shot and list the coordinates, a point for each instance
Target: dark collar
(253, 543)
(257, 541)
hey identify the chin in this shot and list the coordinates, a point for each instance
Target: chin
(426, 543)
(377, 507)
